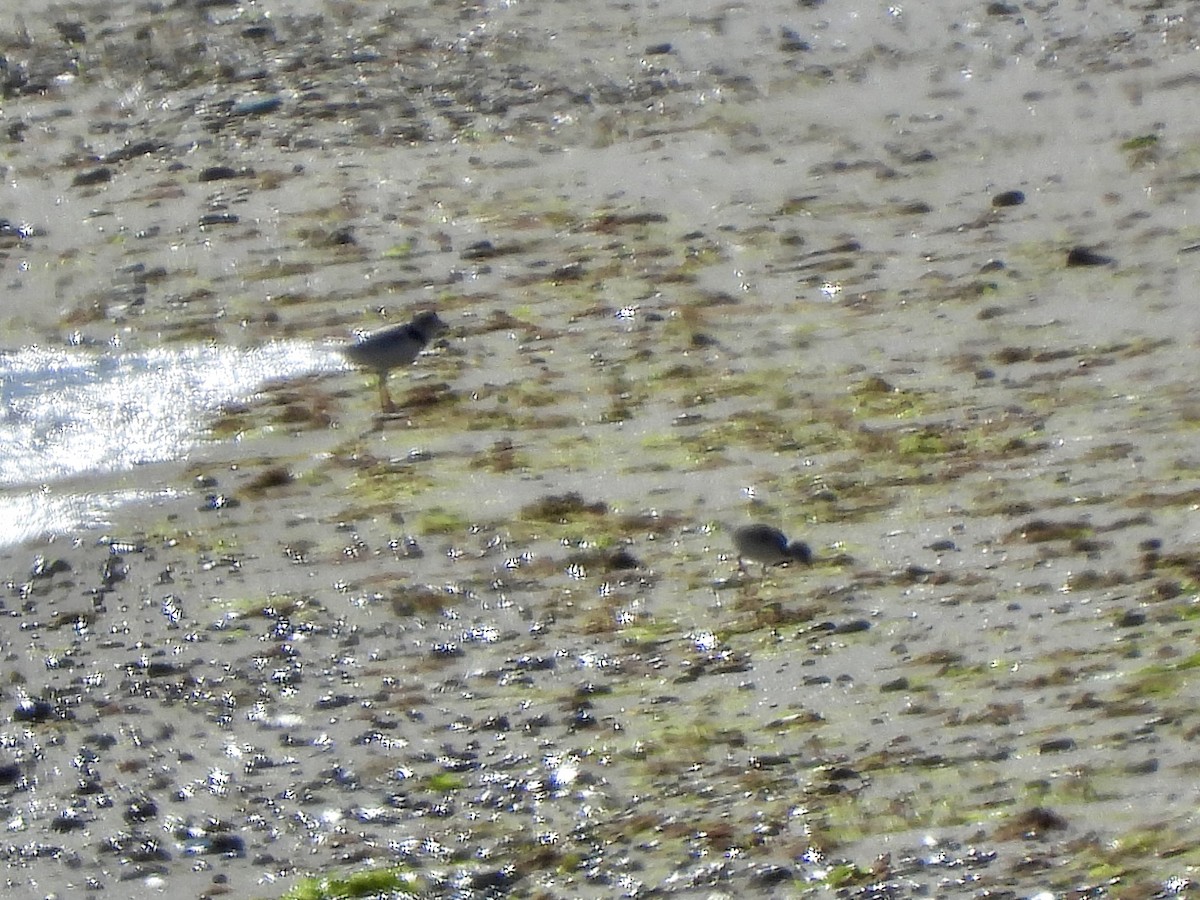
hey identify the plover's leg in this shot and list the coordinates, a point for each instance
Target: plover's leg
(385, 398)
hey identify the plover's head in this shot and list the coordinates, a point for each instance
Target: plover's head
(800, 552)
(429, 324)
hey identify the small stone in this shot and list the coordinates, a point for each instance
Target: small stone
(227, 845)
(140, 809)
(32, 710)
(771, 875)
(1008, 198)
(217, 173)
(256, 106)
(622, 561)
(210, 219)
(791, 42)
(852, 627)
(1057, 745)
(48, 569)
(1146, 767)
(100, 175)
(1082, 256)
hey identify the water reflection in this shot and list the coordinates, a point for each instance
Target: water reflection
(69, 414)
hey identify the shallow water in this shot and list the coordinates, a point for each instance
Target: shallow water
(74, 422)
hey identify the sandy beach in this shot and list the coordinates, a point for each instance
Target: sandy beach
(914, 284)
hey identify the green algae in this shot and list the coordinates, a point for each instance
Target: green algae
(367, 883)
(445, 782)
(439, 520)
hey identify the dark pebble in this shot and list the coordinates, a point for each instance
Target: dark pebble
(145, 850)
(897, 684)
(217, 173)
(494, 880)
(1008, 198)
(210, 219)
(622, 561)
(113, 572)
(89, 787)
(102, 741)
(218, 501)
(147, 276)
(943, 546)
(341, 776)
(1002, 9)
(139, 810)
(31, 710)
(1058, 745)
(658, 49)
(917, 574)
(852, 627)
(131, 151)
(9, 773)
(1132, 618)
(769, 761)
(480, 250)
(531, 663)
(100, 175)
(256, 106)
(227, 845)
(48, 569)
(570, 272)
(1082, 256)
(68, 820)
(791, 42)
(769, 876)
(71, 32)
(1146, 767)
(1032, 823)
(582, 720)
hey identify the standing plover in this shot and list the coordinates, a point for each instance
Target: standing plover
(393, 347)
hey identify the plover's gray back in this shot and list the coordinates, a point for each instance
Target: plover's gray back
(391, 348)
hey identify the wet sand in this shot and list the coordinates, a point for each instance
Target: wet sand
(914, 286)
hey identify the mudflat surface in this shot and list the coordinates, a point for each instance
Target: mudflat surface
(915, 284)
